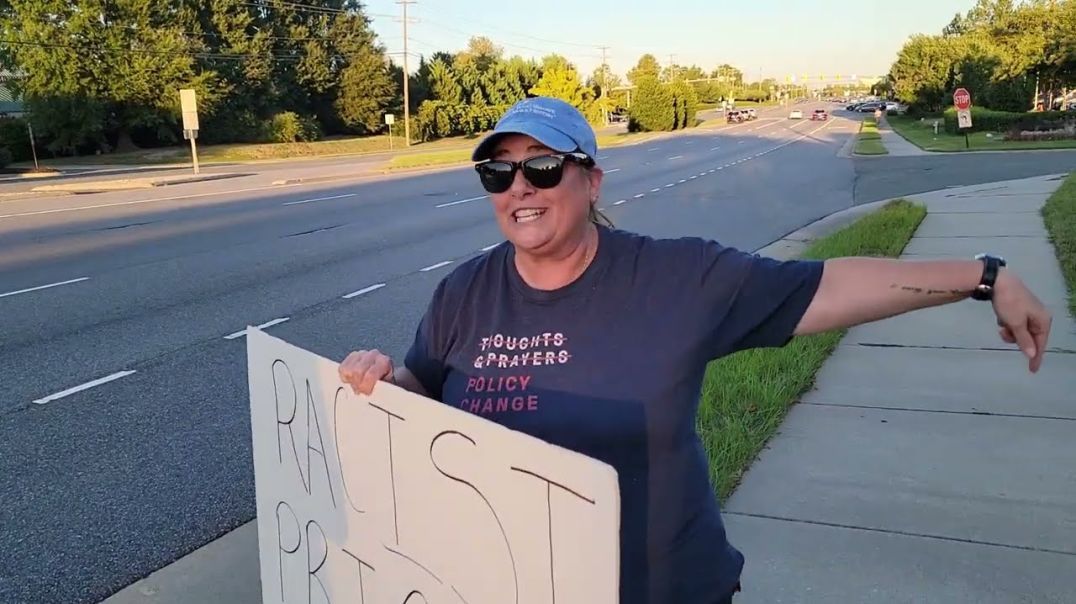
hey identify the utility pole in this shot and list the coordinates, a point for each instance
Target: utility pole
(602, 84)
(672, 66)
(406, 75)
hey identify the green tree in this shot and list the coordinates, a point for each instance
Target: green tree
(366, 84)
(562, 81)
(647, 67)
(653, 107)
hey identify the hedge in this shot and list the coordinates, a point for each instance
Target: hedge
(658, 106)
(988, 120)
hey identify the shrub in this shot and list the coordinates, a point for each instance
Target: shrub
(5, 157)
(290, 127)
(439, 119)
(16, 138)
(988, 120)
(686, 104)
(653, 108)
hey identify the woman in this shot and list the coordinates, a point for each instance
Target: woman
(610, 333)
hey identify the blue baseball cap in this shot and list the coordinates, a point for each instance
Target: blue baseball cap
(551, 121)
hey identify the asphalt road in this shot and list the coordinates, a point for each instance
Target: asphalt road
(129, 298)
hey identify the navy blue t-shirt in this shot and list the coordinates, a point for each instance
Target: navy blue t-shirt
(611, 366)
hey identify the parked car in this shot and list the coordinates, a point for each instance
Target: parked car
(795, 115)
(819, 114)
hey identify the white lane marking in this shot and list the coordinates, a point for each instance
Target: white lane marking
(721, 167)
(295, 203)
(712, 170)
(364, 290)
(243, 332)
(681, 181)
(611, 170)
(671, 184)
(640, 195)
(140, 201)
(688, 142)
(435, 266)
(616, 203)
(602, 157)
(458, 202)
(703, 173)
(739, 142)
(676, 157)
(693, 177)
(655, 190)
(652, 149)
(490, 247)
(81, 387)
(715, 148)
(40, 287)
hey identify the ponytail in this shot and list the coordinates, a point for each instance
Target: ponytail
(599, 218)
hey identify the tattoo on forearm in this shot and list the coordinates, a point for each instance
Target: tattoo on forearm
(930, 291)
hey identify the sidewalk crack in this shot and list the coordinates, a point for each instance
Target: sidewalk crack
(1028, 548)
(945, 411)
(1054, 350)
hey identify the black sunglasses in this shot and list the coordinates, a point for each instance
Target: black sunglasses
(543, 171)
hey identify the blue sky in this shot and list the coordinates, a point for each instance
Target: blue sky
(798, 36)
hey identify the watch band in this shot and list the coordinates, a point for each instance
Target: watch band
(991, 266)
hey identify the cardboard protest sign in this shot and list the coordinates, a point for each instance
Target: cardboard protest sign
(394, 498)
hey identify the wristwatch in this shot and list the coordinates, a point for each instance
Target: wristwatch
(991, 266)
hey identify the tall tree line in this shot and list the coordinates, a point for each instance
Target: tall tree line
(103, 75)
(106, 73)
(1012, 56)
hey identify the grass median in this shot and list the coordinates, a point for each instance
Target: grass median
(1059, 214)
(746, 395)
(920, 132)
(870, 140)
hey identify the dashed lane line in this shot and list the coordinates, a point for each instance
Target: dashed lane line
(460, 201)
(81, 387)
(364, 290)
(435, 266)
(41, 287)
(267, 324)
(302, 201)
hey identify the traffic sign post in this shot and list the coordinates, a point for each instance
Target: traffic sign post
(390, 119)
(188, 105)
(962, 102)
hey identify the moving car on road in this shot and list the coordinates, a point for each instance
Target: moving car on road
(819, 114)
(796, 114)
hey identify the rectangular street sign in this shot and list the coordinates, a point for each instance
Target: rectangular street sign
(963, 118)
(188, 104)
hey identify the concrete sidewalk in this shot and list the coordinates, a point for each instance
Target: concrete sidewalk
(896, 144)
(928, 464)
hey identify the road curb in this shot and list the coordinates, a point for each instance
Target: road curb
(793, 244)
(105, 186)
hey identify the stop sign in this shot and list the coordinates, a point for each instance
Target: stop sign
(962, 99)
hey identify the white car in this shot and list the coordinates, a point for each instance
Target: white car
(795, 115)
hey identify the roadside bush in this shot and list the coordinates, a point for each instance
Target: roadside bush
(653, 108)
(439, 119)
(238, 127)
(988, 120)
(16, 138)
(686, 104)
(290, 127)
(5, 157)
(753, 95)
